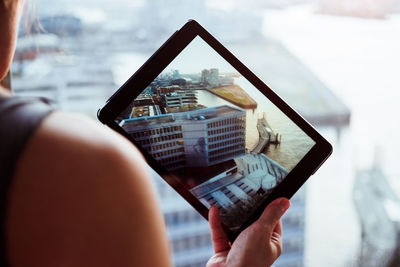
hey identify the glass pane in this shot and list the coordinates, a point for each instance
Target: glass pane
(329, 59)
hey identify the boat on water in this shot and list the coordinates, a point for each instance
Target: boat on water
(266, 135)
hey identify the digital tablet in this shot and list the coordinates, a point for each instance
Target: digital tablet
(213, 130)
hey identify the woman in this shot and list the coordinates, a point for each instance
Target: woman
(74, 193)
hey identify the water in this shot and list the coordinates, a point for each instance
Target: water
(295, 143)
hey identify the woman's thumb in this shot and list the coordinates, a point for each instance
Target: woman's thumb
(274, 211)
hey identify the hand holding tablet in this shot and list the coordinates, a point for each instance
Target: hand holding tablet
(213, 130)
(260, 244)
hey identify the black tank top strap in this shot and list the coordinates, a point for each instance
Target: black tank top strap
(19, 118)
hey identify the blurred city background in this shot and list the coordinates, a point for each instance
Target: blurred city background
(336, 62)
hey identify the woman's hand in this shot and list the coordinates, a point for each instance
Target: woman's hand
(258, 245)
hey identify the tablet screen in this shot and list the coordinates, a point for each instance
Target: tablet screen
(218, 134)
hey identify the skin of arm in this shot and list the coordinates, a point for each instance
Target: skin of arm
(81, 196)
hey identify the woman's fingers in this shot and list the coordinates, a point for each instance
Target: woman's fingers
(219, 238)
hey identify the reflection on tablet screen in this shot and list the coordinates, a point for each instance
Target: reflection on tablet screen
(210, 127)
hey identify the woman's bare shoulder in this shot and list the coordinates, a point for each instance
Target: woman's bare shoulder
(75, 144)
(81, 196)
(79, 129)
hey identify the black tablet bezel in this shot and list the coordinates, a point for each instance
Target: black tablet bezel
(307, 166)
